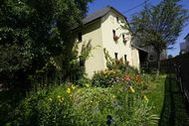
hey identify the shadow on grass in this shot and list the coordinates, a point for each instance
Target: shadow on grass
(175, 111)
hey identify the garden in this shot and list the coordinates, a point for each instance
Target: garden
(42, 73)
(121, 97)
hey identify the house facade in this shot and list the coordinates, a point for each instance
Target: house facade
(103, 29)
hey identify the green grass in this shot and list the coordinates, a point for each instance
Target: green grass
(168, 101)
(155, 94)
(175, 110)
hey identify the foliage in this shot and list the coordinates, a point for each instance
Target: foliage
(32, 34)
(45, 107)
(9, 100)
(100, 102)
(83, 81)
(114, 74)
(119, 95)
(156, 92)
(70, 105)
(107, 78)
(159, 26)
(118, 64)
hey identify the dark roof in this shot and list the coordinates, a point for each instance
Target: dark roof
(141, 48)
(99, 14)
(137, 44)
(186, 36)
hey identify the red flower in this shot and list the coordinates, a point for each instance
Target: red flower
(127, 78)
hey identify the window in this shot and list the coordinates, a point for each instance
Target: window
(125, 57)
(117, 18)
(79, 36)
(124, 39)
(114, 33)
(115, 37)
(116, 56)
(123, 36)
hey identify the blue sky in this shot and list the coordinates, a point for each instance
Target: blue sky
(124, 5)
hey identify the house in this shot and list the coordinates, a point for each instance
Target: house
(184, 47)
(104, 30)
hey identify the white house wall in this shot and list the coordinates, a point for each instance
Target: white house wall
(135, 58)
(109, 23)
(95, 62)
(100, 34)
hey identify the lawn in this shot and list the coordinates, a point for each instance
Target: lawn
(155, 93)
(168, 101)
(175, 108)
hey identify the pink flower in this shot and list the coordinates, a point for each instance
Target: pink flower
(127, 78)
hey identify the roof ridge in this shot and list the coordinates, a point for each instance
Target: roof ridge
(100, 13)
(97, 14)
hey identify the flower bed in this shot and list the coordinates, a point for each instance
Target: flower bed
(121, 103)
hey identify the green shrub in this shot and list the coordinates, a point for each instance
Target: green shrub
(46, 107)
(118, 64)
(83, 82)
(107, 78)
(86, 106)
(132, 107)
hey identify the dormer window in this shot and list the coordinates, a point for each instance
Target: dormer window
(80, 36)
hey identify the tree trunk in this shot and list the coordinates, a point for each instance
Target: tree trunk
(158, 65)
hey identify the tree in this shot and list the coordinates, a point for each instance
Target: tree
(170, 56)
(34, 31)
(159, 26)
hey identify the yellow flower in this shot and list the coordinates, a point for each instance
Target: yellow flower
(87, 85)
(60, 100)
(145, 98)
(131, 89)
(113, 96)
(68, 90)
(73, 87)
(50, 99)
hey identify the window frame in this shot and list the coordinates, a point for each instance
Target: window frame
(79, 35)
(116, 55)
(125, 58)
